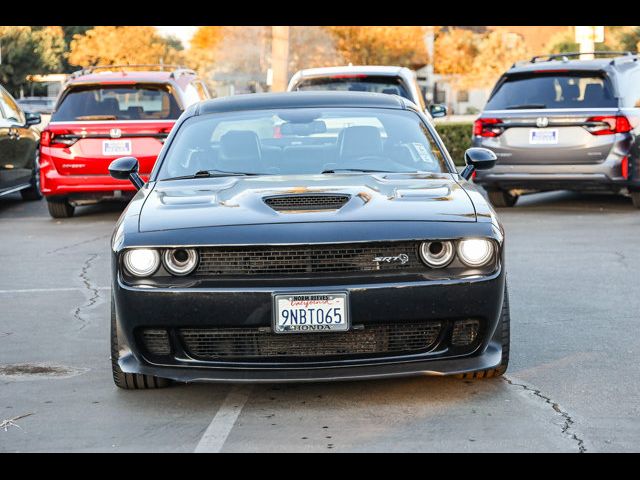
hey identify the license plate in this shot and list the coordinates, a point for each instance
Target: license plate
(543, 136)
(116, 147)
(311, 312)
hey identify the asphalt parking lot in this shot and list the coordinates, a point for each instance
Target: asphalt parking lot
(573, 383)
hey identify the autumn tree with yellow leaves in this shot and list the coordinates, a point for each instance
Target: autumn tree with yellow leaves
(455, 51)
(381, 45)
(110, 45)
(477, 59)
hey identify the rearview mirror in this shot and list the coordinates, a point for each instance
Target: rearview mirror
(32, 118)
(477, 158)
(126, 168)
(437, 110)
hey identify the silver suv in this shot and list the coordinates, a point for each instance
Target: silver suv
(556, 123)
(366, 78)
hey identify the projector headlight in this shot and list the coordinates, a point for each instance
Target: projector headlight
(437, 254)
(475, 252)
(141, 262)
(180, 261)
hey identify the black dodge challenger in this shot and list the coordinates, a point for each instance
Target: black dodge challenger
(306, 236)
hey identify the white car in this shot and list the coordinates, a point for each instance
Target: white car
(366, 78)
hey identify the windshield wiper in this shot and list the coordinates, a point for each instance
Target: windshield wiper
(364, 170)
(526, 105)
(213, 173)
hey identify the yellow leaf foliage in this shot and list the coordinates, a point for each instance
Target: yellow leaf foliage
(381, 45)
(110, 45)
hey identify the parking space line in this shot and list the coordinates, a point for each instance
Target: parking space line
(46, 290)
(225, 418)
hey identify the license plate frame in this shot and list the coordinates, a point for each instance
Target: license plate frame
(107, 145)
(546, 136)
(280, 329)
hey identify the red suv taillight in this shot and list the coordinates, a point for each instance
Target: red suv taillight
(487, 127)
(50, 137)
(608, 125)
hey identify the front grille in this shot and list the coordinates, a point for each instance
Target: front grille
(156, 341)
(306, 202)
(306, 259)
(253, 343)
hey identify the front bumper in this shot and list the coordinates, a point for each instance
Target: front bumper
(370, 304)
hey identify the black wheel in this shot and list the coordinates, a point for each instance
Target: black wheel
(635, 198)
(505, 326)
(502, 199)
(33, 192)
(129, 381)
(60, 208)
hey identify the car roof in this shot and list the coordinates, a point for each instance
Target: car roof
(366, 69)
(598, 64)
(108, 76)
(307, 99)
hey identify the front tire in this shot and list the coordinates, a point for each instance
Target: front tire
(505, 326)
(502, 198)
(33, 192)
(129, 381)
(60, 208)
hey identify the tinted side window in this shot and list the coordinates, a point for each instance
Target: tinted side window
(553, 91)
(10, 108)
(203, 93)
(631, 89)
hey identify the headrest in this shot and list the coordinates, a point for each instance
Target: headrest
(571, 92)
(594, 91)
(109, 106)
(359, 141)
(240, 145)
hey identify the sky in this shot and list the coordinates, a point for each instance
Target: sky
(183, 33)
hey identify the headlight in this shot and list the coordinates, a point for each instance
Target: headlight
(141, 262)
(475, 252)
(180, 261)
(437, 254)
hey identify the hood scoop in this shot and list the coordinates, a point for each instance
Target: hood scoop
(306, 202)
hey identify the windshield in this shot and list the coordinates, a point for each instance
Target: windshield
(302, 141)
(117, 102)
(552, 91)
(357, 83)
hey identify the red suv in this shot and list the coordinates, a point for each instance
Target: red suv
(104, 113)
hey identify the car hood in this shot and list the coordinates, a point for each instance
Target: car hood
(223, 201)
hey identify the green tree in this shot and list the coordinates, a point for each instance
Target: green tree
(29, 50)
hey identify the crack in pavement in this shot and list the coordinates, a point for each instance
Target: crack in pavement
(568, 421)
(93, 290)
(77, 244)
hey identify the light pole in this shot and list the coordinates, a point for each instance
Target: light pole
(279, 58)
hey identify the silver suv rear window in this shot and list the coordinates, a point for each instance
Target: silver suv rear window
(356, 82)
(552, 90)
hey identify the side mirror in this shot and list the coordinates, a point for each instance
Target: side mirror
(32, 118)
(126, 168)
(437, 110)
(477, 159)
